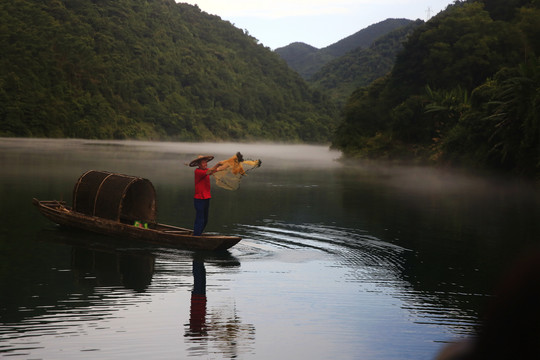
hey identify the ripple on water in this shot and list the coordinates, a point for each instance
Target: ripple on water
(354, 245)
(376, 265)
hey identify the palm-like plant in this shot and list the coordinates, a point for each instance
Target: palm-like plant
(516, 136)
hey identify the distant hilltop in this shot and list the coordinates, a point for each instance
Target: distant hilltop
(307, 60)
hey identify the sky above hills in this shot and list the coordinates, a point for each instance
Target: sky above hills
(277, 23)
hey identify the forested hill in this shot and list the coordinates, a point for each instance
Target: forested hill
(361, 66)
(365, 37)
(146, 69)
(465, 90)
(307, 60)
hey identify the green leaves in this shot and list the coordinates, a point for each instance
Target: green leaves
(465, 90)
(137, 69)
(516, 135)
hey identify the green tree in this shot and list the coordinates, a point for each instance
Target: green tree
(516, 136)
(464, 90)
(137, 68)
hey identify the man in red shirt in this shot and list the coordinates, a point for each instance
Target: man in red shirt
(202, 191)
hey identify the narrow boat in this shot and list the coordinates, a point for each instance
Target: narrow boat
(124, 206)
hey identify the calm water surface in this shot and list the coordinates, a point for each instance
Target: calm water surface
(348, 262)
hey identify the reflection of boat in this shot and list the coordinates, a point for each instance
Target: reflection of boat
(107, 262)
(131, 269)
(124, 206)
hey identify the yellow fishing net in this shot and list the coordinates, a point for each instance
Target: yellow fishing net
(229, 174)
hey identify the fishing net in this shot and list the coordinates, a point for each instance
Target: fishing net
(231, 171)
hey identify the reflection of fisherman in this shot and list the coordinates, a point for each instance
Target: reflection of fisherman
(223, 328)
(197, 319)
(202, 191)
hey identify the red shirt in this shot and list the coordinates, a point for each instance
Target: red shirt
(202, 184)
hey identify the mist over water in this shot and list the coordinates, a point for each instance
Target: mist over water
(337, 258)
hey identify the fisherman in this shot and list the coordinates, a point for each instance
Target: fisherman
(202, 191)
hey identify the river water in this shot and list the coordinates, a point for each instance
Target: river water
(337, 261)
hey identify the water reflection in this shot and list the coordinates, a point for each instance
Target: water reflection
(336, 259)
(132, 270)
(219, 329)
(98, 261)
(74, 289)
(197, 313)
(380, 266)
(101, 279)
(460, 229)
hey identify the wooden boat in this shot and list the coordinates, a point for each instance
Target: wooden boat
(124, 206)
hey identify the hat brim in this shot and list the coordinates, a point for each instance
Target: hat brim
(199, 159)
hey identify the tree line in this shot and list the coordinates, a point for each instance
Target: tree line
(147, 69)
(464, 90)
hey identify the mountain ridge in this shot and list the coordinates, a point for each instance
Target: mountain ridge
(361, 66)
(307, 60)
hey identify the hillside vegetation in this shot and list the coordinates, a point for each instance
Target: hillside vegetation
(308, 60)
(146, 69)
(465, 90)
(361, 66)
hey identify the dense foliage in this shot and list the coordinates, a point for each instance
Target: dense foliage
(307, 60)
(303, 58)
(464, 90)
(150, 69)
(361, 66)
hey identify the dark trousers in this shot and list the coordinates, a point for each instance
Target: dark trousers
(201, 215)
